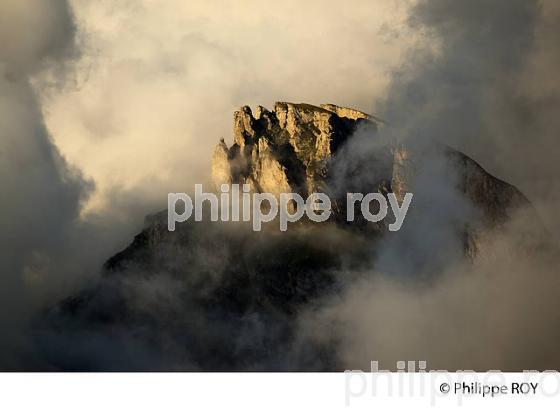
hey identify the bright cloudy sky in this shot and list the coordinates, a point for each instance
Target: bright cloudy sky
(157, 81)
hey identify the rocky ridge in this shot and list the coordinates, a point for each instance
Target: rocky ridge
(292, 148)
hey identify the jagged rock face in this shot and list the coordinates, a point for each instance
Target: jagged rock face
(286, 150)
(292, 148)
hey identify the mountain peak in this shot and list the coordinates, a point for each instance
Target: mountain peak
(301, 148)
(286, 149)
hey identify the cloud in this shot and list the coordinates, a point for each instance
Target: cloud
(41, 195)
(482, 81)
(140, 107)
(157, 82)
(47, 34)
(106, 107)
(48, 250)
(498, 312)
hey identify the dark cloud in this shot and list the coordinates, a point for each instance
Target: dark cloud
(482, 80)
(46, 250)
(35, 33)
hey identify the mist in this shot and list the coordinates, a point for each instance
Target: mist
(49, 251)
(105, 108)
(475, 83)
(157, 84)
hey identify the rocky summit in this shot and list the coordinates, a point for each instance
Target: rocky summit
(219, 296)
(296, 147)
(287, 149)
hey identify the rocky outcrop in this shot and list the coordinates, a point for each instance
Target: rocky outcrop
(284, 150)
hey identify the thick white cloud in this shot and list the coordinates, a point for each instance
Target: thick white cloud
(158, 81)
